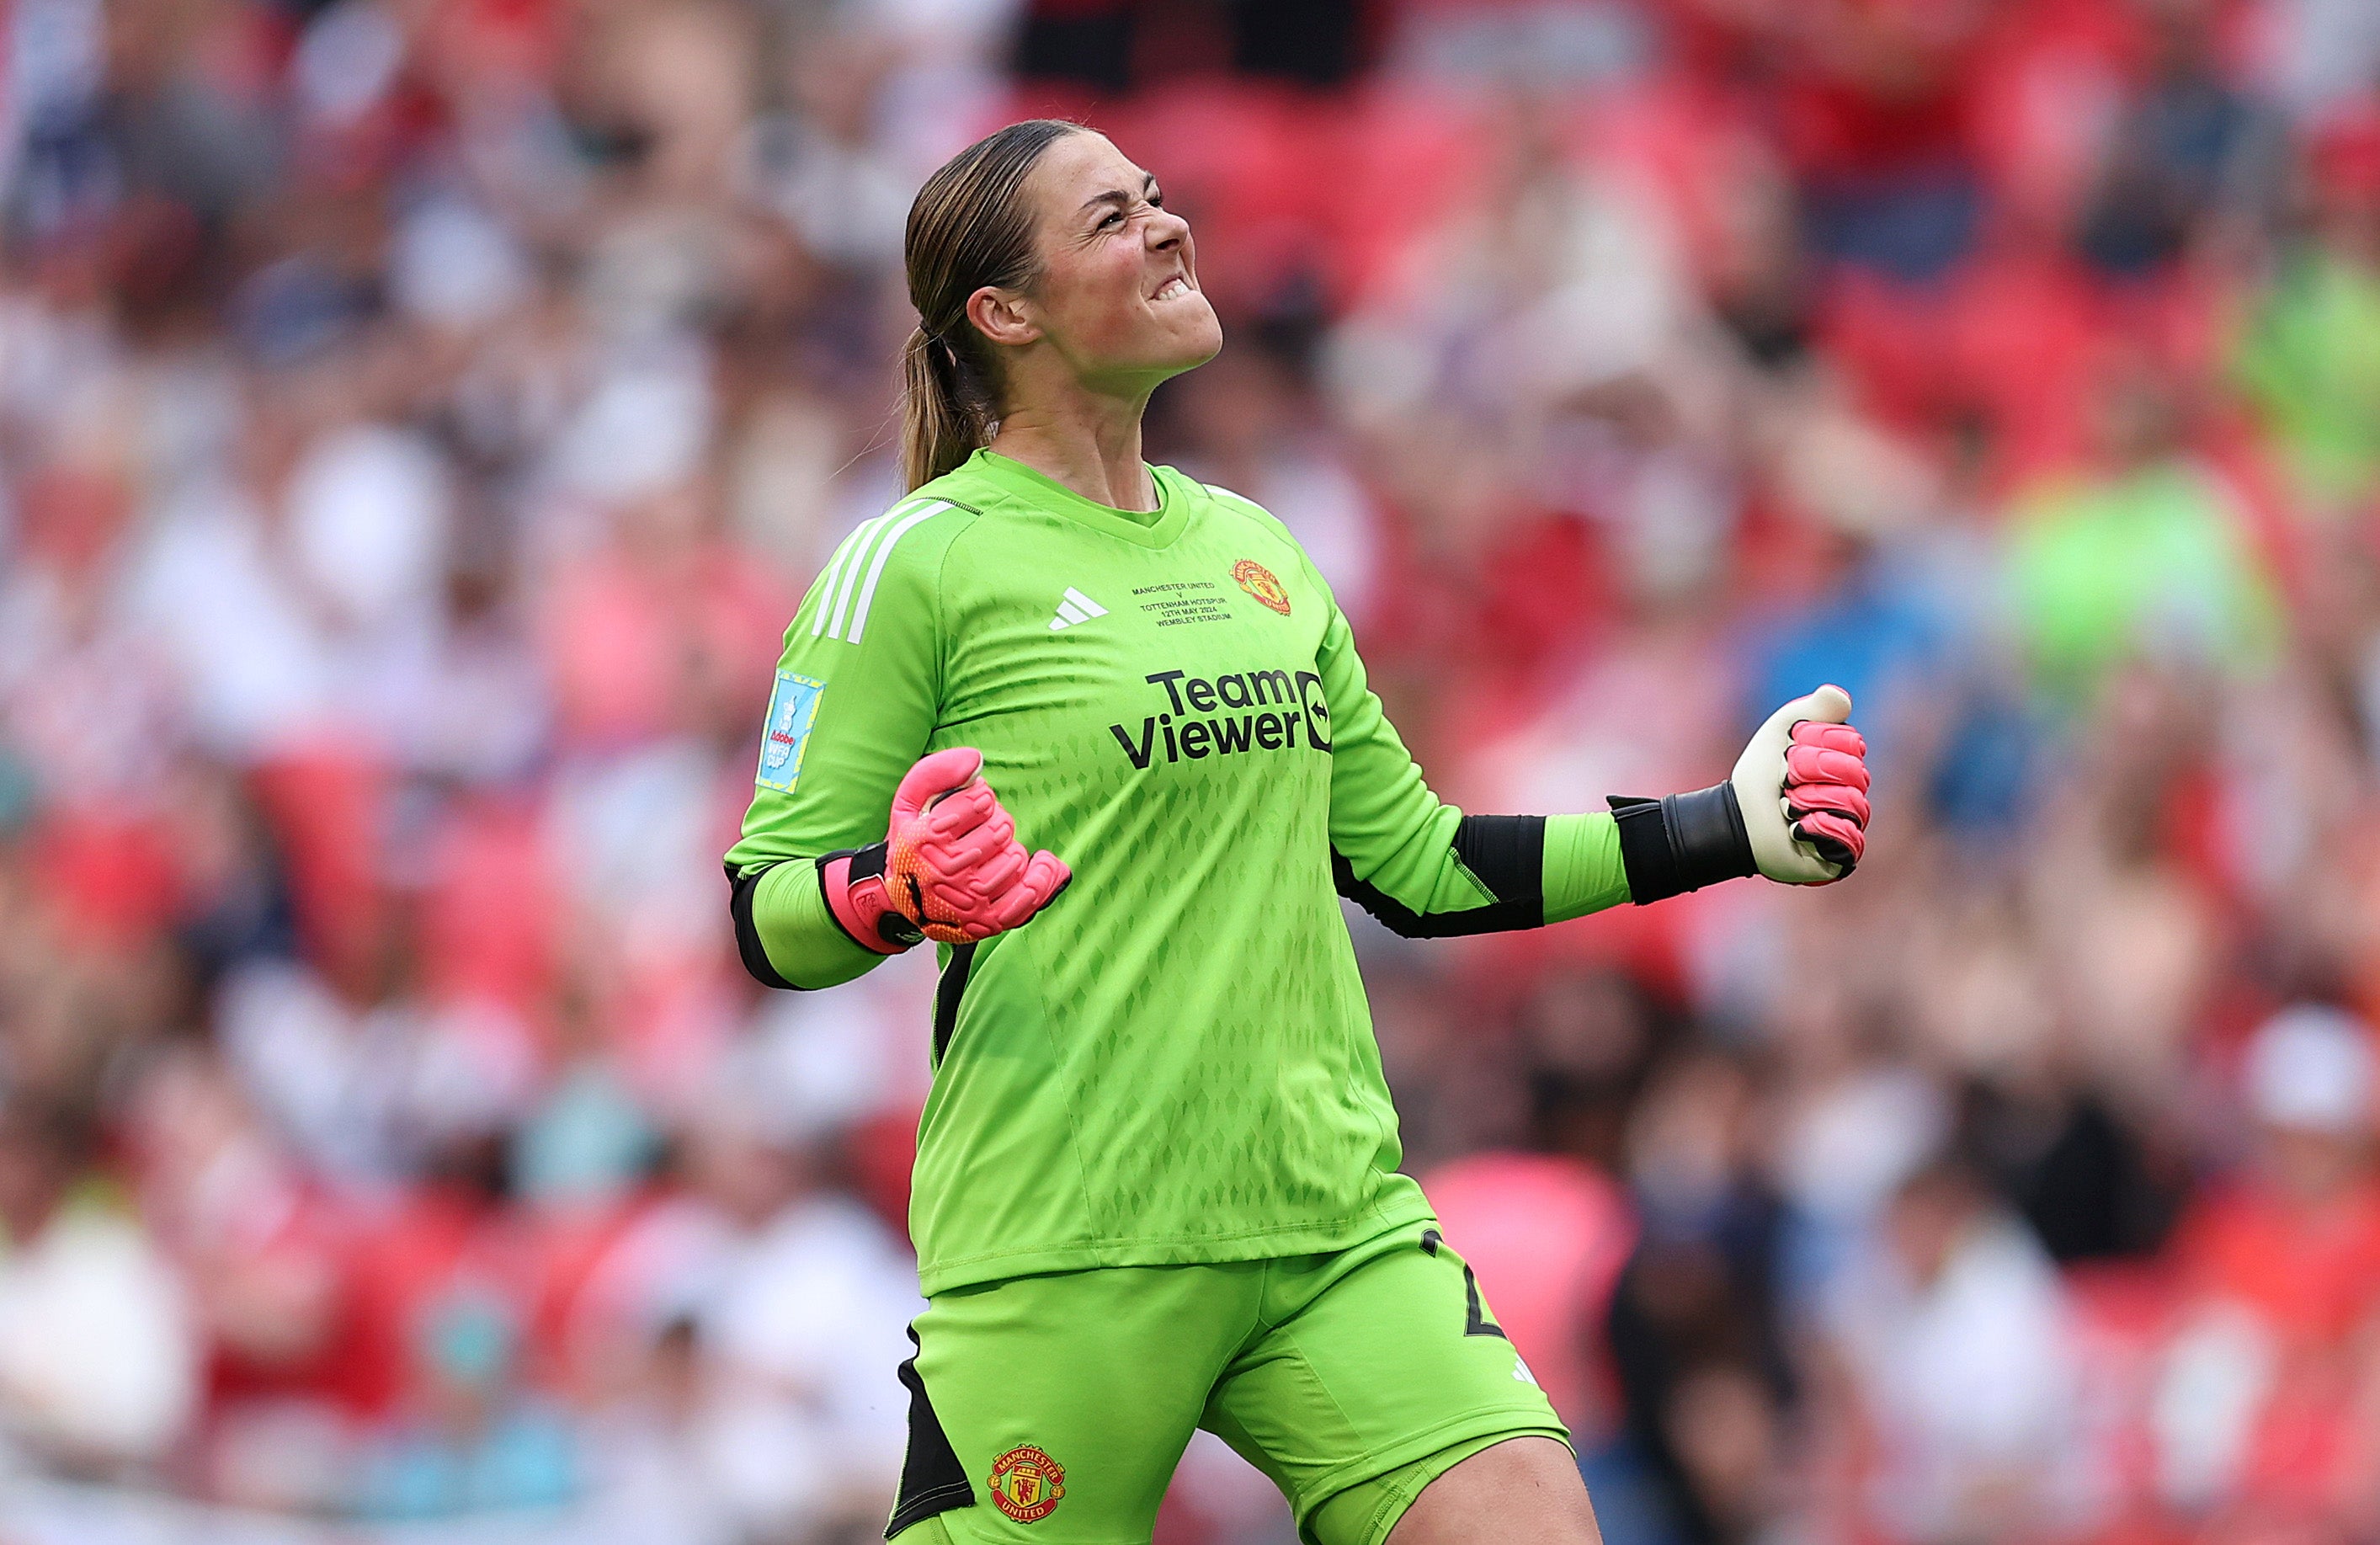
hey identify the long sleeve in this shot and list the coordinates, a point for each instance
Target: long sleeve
(1582, 869)
(785, 934)
(1423, 867)
(856, 700)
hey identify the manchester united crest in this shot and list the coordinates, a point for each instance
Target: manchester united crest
(1027, 1483)
(1257, 581)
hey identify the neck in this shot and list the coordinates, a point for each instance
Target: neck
(1087, 442)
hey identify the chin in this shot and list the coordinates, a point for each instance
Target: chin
(1193, 359)
(1195, 345)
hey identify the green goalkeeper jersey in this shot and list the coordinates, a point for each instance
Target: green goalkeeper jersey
(1175, 1062)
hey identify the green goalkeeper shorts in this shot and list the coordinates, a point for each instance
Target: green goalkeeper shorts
(1052, 1409)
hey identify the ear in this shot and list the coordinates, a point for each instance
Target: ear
(1003, 316)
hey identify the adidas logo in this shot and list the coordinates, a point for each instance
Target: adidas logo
(1073, 608)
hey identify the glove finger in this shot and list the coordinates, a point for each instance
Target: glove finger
(951, 899)
(1817, 764)
(1013, 908)
(971, 848)
(958, 857)
(1833, 737)
(1834, 838)
(996, 873)
(954, 845)
(958, 813)
(941, 772)
(1045, 875)
(1843, 799)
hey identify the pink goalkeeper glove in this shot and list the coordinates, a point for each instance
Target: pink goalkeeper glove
(1826, 791)
(950, 867)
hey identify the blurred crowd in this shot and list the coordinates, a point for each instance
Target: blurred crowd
(420, 417)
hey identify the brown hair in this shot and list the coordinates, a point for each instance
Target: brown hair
(968, 228)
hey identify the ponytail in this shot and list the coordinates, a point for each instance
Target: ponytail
(969, 227)
(942, 422)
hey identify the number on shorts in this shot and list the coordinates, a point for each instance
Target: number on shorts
(1475, 1321)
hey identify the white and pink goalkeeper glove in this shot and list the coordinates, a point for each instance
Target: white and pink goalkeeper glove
(1795, 809)
(1803, 786)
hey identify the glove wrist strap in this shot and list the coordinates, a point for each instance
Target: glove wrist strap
(1682, 841)
(852, 880)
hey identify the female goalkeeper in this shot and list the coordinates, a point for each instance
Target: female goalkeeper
(1157, 1182)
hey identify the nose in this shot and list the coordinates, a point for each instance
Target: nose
(1167, 230)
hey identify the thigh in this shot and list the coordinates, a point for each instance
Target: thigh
(1054, 1408)
(1525, 1491)
(1381, 1363)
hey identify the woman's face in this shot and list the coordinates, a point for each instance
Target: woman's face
(1118, 297)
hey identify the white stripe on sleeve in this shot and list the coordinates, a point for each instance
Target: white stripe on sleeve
(868, 535)
(884, 551)
(835, 571)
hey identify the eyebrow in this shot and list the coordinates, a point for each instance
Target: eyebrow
(1117, 195)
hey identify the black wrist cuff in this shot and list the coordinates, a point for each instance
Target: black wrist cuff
(868, 863)
(1681, 843)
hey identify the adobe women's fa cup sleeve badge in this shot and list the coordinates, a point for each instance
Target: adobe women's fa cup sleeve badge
(793, 709)
(1026, 1484)
(1258, 581)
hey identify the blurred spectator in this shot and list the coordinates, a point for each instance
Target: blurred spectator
(2305, 360)
(461, 1398)
(2151, 554)
(98, 1354)
(791, 1302)
(1697, 1326)
(471, 1443)
(656, 1453)
(1874, 108)
(264, 1256)
(2260, 1412)
(361, 1075)
(2178, 153)
(1960, 1372)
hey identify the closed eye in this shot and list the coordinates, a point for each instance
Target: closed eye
(1119, 203)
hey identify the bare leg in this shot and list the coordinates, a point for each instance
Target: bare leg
(1520, 1492)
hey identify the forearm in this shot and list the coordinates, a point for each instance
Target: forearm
(1583, 867)
(784, 932)
(1497, 874)
(1427, 870)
